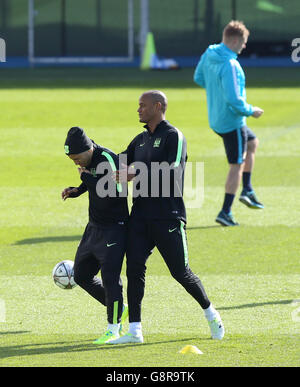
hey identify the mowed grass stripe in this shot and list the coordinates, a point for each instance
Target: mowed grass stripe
(42, 206)
(38, 306)
(49, 326)
(158, 350)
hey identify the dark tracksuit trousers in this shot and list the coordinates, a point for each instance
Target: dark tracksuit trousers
(102, 248)
(169, 237)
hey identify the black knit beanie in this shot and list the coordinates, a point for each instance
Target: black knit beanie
(77, 141)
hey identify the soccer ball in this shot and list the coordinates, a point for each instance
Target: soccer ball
(63, 275)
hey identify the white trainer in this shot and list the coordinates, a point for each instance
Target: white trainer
(217, 328)
(128, 338)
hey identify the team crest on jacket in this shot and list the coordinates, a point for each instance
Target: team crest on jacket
(157, 143)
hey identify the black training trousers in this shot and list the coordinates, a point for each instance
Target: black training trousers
(102, 247)
(169, 236)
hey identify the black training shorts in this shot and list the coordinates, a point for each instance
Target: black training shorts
(235, 143)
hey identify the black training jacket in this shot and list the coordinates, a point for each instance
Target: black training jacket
(160, 151)
(107, 202)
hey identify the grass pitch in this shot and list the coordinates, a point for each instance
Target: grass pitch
(251, 273)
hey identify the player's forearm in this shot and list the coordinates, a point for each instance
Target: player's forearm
(81, 189)
(240, 107)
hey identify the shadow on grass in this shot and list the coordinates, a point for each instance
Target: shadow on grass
(73, 346)
(72, 238)
(255, 305)
(44, 348)
(62, 238)
(203, 227)
(13, 332)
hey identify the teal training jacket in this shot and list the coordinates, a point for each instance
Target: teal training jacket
(219, 72)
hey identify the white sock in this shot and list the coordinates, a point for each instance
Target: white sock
(210, 313)
(135, 328)
(114, 328)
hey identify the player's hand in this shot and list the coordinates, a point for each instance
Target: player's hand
(123, 175)
(68, 191)
(257, 112)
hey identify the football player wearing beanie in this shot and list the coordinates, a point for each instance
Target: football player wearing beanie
(102, 246)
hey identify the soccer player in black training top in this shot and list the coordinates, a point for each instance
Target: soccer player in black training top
(103, 243)
(159, 221)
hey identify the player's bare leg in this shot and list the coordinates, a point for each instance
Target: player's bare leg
(248, 196)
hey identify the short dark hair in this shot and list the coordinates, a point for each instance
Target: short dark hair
(236, 28)
(158, 96)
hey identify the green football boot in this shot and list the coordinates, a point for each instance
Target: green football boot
(105, 338)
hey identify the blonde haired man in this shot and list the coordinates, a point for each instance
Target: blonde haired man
(219, 72)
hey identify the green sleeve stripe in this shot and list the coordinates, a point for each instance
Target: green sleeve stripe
(179, 148)
(184, 243)
(113, 167)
